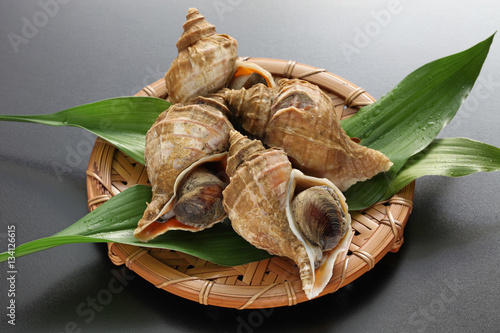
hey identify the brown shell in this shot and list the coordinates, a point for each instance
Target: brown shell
(252, 106)
(257, 200)
(300, 118)
(205, 63)
(181, 136)
(258, 213)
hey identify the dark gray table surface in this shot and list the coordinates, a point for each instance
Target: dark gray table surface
(56, 54)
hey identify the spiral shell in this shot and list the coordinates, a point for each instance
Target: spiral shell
(205, 63)
(257, 200)
(183, 137)
(300, 118)
(252, 106)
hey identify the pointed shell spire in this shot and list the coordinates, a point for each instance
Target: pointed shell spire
(255, 198)
(252, 106)
(195, 28)
(262, 184)
(206, 61)
(300, 118)
(241, 149)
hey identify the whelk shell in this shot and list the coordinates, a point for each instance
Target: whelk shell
(205, 63)
(257, 200)
(182, 138)
(300, 118)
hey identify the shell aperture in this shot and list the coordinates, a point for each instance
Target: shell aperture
(183, 137)
(285, 199)
(257, 200)
(300, 118)
(199, 202)
(320, 217)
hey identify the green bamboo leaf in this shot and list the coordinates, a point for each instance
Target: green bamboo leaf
(122, 121)
(408, 118)
(451, 157)
(116, 219)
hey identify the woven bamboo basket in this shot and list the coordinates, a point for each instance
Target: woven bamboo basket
(268, 283)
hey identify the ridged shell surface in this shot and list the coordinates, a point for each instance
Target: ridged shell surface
(256, 202)
(181, 136)
(205, 63)
(252, 106)
(300, 118)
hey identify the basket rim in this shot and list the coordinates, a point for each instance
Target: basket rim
(391, 215)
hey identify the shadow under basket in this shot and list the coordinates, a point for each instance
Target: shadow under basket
(268, 283)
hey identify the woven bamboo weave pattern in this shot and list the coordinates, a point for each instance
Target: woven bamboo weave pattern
(267, 283)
